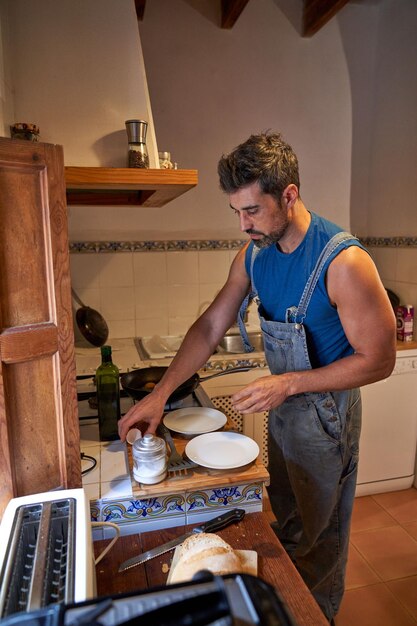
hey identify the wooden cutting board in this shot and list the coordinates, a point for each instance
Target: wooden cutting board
(249, 560)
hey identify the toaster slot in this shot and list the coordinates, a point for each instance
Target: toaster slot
(40, 560)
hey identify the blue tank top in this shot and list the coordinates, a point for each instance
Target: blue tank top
(280, 280)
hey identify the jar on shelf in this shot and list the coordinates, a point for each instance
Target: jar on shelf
(22, 130)
(165, 162)
(138, 151)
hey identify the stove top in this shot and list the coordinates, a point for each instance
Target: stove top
(86, 409)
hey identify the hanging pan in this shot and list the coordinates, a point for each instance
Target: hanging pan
(91, 323)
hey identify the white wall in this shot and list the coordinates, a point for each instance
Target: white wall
(393, 167)
(78, 73)
(211, 88)
(6, 86)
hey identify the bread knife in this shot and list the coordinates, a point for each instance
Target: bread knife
(217, 523)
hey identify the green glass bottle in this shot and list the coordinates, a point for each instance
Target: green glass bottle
(108, 396)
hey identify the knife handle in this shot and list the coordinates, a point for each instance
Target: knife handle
(221, 521)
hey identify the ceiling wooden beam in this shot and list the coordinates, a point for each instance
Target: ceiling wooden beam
(140, 9)
(317, 13)
(231, 10)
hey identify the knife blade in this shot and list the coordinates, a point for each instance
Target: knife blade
(217, 523)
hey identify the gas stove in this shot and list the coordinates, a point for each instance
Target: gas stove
(126, 357)
(88, 410)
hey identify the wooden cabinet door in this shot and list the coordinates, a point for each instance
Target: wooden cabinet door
(38, 401)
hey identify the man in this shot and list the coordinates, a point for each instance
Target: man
(328, 329)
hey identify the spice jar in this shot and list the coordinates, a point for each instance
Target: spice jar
(138, 151)
(149, 459)
(22, 130)
(165, 161)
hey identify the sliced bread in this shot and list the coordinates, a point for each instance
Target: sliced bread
(205, 551)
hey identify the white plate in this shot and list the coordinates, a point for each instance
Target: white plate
(195, 420)
(223, 450)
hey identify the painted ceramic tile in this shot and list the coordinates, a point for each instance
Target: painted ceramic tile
(130, 510)
(225, 496)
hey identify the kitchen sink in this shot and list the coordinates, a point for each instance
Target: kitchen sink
(233, 344)
(157, 347)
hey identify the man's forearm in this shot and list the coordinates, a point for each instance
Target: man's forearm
(352, 371)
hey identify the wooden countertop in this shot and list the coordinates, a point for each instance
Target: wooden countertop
(252, 533)
(406, 345)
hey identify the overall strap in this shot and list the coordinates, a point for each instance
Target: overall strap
(252, 295)
(327, 251)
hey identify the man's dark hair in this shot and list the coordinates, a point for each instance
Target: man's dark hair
(266, 159)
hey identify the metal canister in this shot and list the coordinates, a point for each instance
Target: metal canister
(149, 459)
(138, 151)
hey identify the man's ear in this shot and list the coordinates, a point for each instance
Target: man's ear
(290, 195)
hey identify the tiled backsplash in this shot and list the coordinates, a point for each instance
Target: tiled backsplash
(396, 260)
(147, 288)
(160, 287)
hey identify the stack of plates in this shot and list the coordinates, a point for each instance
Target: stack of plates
(215, 450)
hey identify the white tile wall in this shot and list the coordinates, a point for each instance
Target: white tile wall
(148, 293)
(398, 271)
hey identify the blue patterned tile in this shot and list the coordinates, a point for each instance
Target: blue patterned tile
(231, 496)
(129, 510)
(155, 246)
(210, 244)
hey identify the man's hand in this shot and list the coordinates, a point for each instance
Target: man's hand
(144, 415)
(262, 394)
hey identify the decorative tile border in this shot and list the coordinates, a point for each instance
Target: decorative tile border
(219, 497)
(210, 244)
(227, 364)
(389, 242)
(156, 246)
(176, 509)
(133, 511)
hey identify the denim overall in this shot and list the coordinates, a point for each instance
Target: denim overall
(313, 449)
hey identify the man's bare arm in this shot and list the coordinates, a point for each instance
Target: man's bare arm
(198, 345)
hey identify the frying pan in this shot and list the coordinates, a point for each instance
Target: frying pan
(91, 323)
(138, 383)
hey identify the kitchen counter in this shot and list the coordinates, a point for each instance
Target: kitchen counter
(198, 478)
(252, 533)
(193, 497)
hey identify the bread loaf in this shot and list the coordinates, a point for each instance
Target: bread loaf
(205, 551)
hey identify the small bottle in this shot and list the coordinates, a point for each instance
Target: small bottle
(405, 322)
(108, 396)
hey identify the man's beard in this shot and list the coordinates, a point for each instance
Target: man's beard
(268, 240)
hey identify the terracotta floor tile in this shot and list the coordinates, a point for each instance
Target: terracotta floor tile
(411, 528)
(402, 505)
(358, 572)
(369, 514)
(391, 552)
(372, 606)
(405, 590)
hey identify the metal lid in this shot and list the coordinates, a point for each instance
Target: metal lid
(149, 445)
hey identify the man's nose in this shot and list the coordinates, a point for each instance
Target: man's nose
(245, 222)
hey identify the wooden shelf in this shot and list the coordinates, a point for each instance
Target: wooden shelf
(126, 186)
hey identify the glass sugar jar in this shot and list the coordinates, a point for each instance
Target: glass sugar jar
(150, 459)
